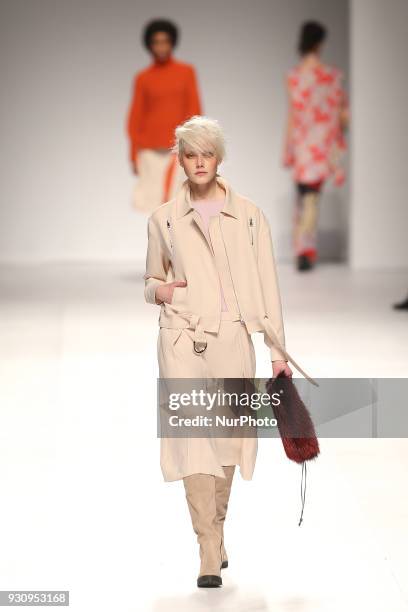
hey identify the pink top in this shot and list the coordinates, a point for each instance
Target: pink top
(207, 209)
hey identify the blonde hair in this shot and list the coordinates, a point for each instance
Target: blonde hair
(201, 134)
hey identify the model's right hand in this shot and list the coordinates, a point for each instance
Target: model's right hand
(164, 293)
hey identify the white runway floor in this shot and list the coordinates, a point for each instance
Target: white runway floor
(83, 504)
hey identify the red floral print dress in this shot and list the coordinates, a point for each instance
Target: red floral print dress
(317, 145)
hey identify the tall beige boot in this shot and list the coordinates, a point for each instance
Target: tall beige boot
(200, 495)
(222, 494)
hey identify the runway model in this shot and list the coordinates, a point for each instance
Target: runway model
(314, 142)
(164, 95)
(210, 265)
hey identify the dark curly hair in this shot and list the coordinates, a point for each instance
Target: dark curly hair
(312, 33)
(160, 25)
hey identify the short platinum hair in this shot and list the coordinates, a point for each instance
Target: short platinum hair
(201, 134)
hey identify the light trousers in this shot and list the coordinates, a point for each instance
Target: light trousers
(160, 177)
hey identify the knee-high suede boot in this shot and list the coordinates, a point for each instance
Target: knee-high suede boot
(200, 495)
(222, 494)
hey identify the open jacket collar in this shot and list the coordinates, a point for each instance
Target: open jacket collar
(231, 205)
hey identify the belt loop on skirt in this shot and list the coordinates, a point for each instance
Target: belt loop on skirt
(200, 342)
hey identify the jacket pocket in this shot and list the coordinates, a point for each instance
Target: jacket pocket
(179, 296)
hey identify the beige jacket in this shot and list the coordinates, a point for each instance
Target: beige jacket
(178, 249)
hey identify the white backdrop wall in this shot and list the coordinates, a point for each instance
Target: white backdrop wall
(379, 207)
(67, 69)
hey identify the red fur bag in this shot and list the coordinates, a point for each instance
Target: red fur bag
(295, 425)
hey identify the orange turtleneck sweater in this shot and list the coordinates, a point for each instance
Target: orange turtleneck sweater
(164, 95)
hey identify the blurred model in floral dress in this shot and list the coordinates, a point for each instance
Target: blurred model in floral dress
(314, 142)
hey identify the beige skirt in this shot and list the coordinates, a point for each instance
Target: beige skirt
(160, 177)
(229, 354)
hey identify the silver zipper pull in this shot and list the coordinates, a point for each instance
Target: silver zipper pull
(168, 227)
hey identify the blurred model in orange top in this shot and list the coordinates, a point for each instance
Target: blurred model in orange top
(315, 144)
(164, 95)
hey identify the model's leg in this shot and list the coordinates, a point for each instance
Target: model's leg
(200, 494)
(306, 216)
(234, 362)
(174, 178)
(297, 212)
(148, 191)
(222, 493)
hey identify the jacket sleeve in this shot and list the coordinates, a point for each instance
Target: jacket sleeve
(270, 286)
(193, 104)
(135, 116)
(157, 262)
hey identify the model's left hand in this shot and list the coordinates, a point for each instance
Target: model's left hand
(281, 366)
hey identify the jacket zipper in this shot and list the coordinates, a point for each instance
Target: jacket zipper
(168, 226)
(252, 233)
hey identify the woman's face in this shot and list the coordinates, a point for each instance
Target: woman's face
(161, 46)
(200, 168)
